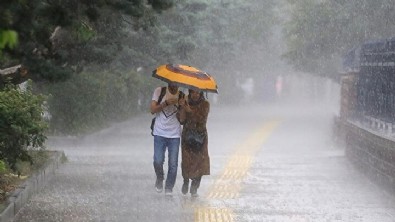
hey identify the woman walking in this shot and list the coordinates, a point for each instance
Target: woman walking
(194, 140)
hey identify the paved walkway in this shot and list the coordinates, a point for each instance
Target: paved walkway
(267, 164)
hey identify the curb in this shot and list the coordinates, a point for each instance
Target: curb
(31, 186)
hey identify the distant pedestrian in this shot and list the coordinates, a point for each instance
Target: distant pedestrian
(194, 141)
(279, 86)
(167, 133)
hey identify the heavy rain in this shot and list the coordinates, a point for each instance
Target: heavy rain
(300, 124)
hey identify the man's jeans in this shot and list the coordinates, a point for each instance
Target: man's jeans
(172, 144)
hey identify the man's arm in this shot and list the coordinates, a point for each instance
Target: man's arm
(155, 107)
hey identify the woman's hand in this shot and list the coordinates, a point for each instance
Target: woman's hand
(184, 105)
(187, 108)
(182, 102)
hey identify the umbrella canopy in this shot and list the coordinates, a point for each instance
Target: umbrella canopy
(186, 76)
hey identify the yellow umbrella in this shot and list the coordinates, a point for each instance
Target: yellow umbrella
(186, 76)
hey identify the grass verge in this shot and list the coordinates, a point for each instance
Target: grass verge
(10, 180)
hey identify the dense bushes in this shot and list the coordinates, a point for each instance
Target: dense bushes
(90, 101)
(21, 124)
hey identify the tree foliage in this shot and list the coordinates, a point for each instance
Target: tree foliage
(225, 38)
(21, 124)
(59, 37)
(83, 104)
(84, 54)
(8, 38)
(319, 32)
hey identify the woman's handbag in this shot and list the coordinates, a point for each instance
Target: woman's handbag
(195, 139)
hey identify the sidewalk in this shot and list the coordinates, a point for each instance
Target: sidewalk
(270, 165)
(108, 177)
(32, 185)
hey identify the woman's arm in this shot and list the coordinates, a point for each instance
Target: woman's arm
(200, 114)
(182, 113)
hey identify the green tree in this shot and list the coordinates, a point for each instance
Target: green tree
(95, 48)
(86, 103)
(59, 37)
(220, 37)
(64, 44)
(8, 38)
(319, 32)
(21, 124)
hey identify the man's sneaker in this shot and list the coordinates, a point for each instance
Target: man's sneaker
(159, 185)
(168, 192)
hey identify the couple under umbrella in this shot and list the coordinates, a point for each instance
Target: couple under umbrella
(181, 120)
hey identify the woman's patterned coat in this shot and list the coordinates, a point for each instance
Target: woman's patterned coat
(195, 163)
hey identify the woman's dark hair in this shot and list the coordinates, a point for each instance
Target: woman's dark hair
(201, 97)
(200, 93)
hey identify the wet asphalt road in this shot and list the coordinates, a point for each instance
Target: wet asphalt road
(267, 164)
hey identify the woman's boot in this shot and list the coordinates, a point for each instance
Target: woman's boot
(194, 186)
(185, 186)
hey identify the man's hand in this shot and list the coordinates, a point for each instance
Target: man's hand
(171, 101)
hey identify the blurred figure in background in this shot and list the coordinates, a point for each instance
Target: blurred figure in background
(279, 87)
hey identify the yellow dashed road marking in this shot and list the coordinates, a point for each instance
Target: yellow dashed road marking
(213, 214)
(228, 185)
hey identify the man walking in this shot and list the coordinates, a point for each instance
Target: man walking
(167, 133)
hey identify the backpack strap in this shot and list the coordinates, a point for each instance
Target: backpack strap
(162, 94)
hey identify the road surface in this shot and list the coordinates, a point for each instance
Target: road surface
(268, 163)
